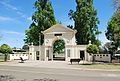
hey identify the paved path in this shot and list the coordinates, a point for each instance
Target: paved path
(30, 73)
(51, 64)
(45, 64)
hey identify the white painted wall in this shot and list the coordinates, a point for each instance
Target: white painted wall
(100, 57)
(18, 55)
(103, 57)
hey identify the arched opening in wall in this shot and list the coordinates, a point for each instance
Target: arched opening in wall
(59, 50)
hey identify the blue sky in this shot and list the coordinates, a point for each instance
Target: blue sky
(15, 17)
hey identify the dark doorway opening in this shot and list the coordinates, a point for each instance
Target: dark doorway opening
(37, 55)
(82, 55)
(37, 58)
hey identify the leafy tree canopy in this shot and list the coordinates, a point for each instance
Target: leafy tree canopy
(118, 52)
(92, 49)
(117, 4)
(5, 49)
(86, 21)
(59, 46)
(109, 48)
(25, 47)
(42, 19)
(113, 30)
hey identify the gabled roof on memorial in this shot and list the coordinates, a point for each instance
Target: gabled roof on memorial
(59, 28)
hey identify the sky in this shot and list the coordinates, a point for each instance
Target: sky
(15, 18)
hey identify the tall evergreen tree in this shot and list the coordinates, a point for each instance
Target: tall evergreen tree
(42, 19)
(86, 21)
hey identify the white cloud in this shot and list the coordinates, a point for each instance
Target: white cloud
(11, 32)
(5, 0)
(29, 18)
(8, 5)
(12, 38)
(11, 7)
(8, 19)
(21, 14)
(2, 18)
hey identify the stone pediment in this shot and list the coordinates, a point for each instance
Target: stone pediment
(58, 28)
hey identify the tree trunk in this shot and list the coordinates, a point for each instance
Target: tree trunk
(5, 59)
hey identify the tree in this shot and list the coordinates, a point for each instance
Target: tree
(117, 4)
(109, 47)
(86, 21)
(113, 30)
(70, 26)
(59, 46)
(93, 49)
(5, 49)
(25, 47)
(118, 52)
(42, 19)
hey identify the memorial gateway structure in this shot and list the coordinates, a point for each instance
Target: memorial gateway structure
(54, 33)
(46, 52)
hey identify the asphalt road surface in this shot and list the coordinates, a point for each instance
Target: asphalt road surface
(21, 73)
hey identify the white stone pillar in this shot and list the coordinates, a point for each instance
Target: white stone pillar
(66, 58)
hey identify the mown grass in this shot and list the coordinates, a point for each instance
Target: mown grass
(2, 58)
(101, 66)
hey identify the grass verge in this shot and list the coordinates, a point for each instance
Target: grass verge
(101, 66)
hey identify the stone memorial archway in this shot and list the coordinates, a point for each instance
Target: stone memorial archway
(59, 32)
(54, 33)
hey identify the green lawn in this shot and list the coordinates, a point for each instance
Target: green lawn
(101, 66)
(1, 58)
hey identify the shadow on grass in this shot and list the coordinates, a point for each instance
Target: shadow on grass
(109, 64)
(81, 64)
(73, 64)
(2, 61)
(86, 64)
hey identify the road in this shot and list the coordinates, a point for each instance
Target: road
(31, 73)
